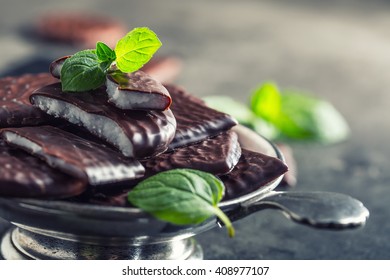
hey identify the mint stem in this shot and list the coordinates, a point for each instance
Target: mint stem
(225, 219)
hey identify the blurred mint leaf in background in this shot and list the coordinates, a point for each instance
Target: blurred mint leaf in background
(284, 115)
(298, 115)
(266, 102)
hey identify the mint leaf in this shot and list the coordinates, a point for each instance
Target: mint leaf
(266, 101)
(105, 53)
(299, 116)
(243, 114)
(82, 72)
(181, 196)
(136, 49)
(306, 117)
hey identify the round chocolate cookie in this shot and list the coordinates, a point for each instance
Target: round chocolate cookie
(22, 175)
(79, 29)
(15, 106)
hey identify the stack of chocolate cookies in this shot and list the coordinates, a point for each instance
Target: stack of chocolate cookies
(93, 147)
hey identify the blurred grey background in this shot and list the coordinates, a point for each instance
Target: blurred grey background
(336, 50)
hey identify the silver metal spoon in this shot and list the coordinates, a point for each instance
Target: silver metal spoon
(317, 209)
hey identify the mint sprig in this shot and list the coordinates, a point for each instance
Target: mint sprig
(181, 196)
(87, 69)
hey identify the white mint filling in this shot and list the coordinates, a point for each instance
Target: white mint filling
(56, 71)
(125, 99)
(96, 175)
(19, 141)
(110, 174)
(35, 149)
(101, 126)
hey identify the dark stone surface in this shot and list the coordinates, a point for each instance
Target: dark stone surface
(338, 50)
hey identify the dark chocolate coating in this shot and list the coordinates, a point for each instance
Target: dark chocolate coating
(150, 132)
(252, 171)
(87, 160)
(141, 83)
(22, 175)
(15, 106)
(195, 121)
(138, 81)
(217, 155)
(56, 66)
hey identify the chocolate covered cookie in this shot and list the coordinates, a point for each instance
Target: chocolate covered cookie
(136, 91)
(195, 120)
(22, 175)
(71, 154)
(135, 133)
(217, 155)
(15, 106)
(252, 171)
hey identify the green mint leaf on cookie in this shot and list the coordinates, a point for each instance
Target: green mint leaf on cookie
(181, 196)
(87, 70)
(82, 72)
(136, 49)
(105, 53)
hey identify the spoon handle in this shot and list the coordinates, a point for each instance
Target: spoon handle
(317, 209)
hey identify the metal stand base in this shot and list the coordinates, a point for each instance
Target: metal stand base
(21, 244)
